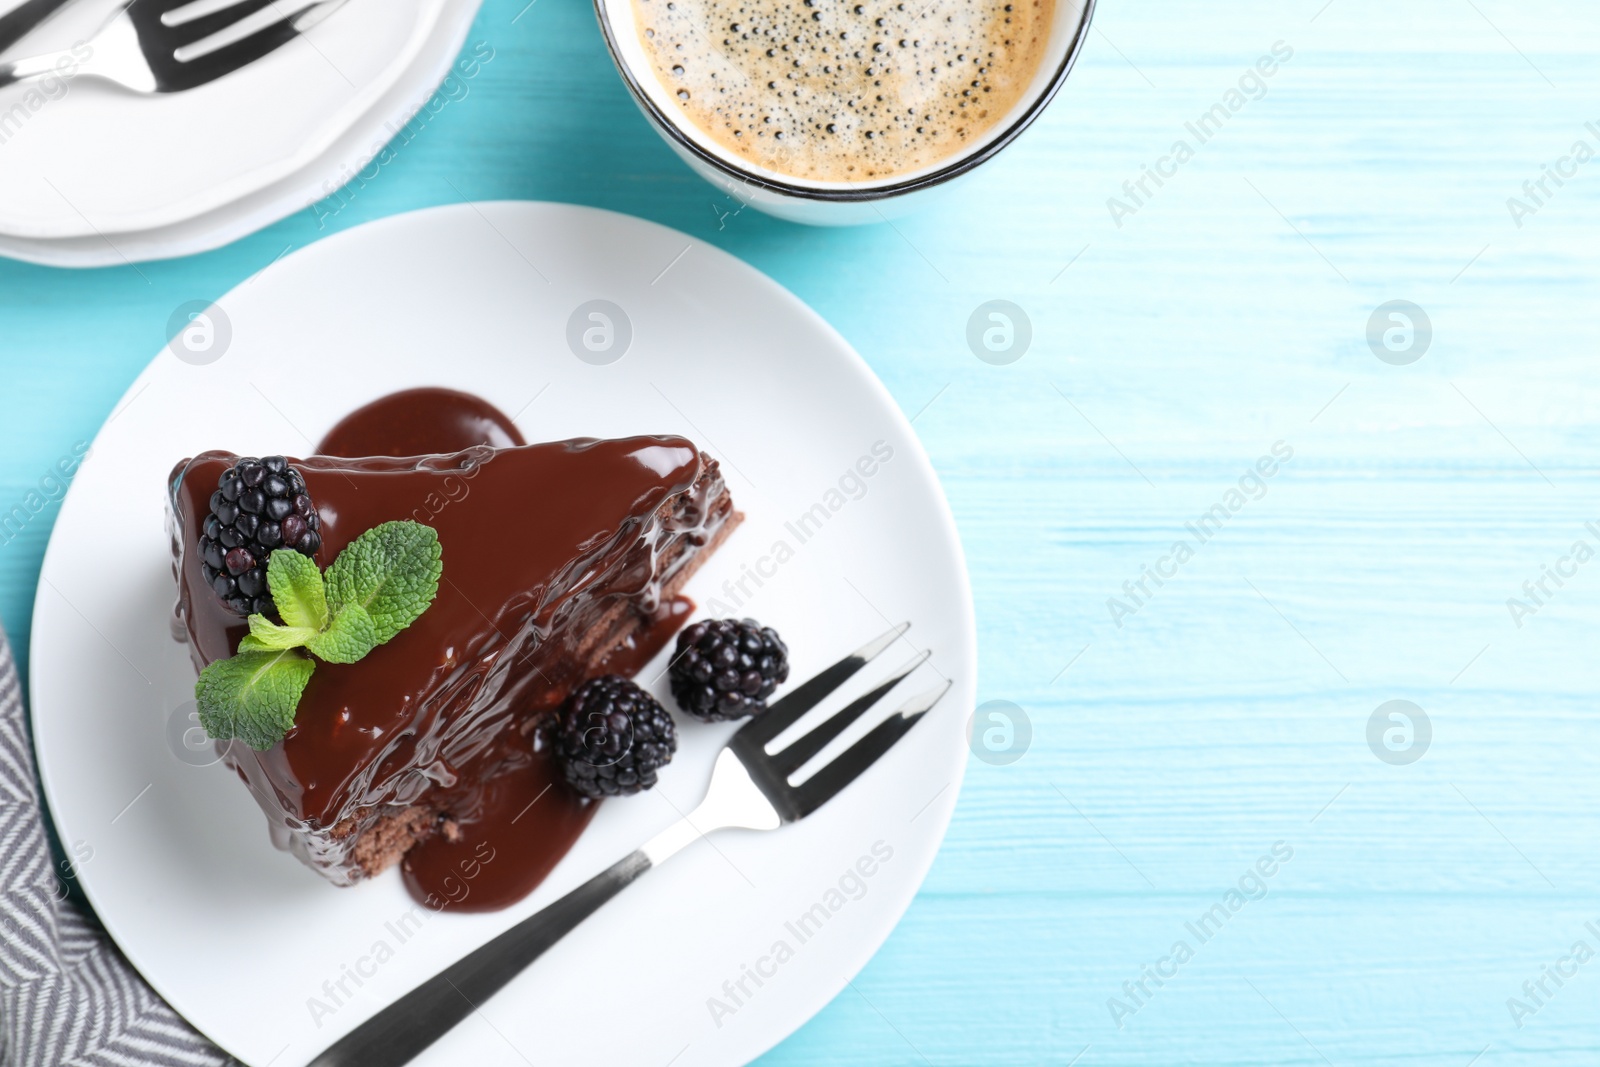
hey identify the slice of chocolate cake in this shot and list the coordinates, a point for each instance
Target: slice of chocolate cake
(559, 561)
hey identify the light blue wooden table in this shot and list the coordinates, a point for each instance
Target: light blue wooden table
(1228, 714)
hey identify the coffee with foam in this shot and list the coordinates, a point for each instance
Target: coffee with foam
(845, 90)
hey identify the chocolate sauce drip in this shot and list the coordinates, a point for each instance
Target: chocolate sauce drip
(420, 422)
(498, 853)
(561, 561)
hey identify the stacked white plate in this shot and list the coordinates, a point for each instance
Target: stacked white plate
(92, 175)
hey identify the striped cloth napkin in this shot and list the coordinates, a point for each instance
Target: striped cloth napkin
(67, 997)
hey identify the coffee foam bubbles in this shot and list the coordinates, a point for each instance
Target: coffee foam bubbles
(841, 90)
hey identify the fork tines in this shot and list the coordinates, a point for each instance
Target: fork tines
(771, 771)
(188, 43)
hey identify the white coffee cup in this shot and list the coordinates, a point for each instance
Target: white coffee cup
(831, 203)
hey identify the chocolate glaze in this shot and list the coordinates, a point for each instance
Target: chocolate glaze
(555, 556)
(420, 422)
(497, 854)
(641, 646)
(494, 855)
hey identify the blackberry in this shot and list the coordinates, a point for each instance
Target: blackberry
(727, 668)
(611, 737)
(259, 505)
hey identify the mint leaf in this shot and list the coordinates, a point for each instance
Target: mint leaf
(379, 585)
(297, 590)
(350, 636)
(391, 572)
(267, 636)
(252, 696)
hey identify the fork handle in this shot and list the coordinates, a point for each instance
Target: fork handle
(400, 1032)
(34, 67)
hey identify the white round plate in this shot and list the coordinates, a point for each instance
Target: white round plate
(708, 953)
(354, 152)
(89, 158)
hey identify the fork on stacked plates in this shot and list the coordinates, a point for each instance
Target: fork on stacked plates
(149, 129)
(168, 46)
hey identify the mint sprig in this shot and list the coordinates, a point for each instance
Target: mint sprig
(380, 584)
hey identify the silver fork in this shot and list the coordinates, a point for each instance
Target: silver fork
(158, 46)
(749, 790)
